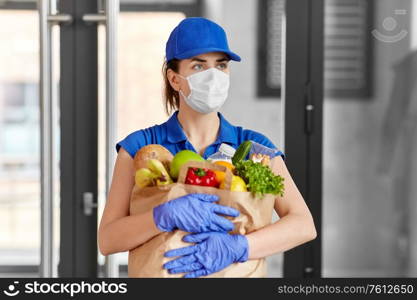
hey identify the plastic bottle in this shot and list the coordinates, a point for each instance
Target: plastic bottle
(225, 153)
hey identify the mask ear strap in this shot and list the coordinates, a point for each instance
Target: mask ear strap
(181, 76)
(182, 94)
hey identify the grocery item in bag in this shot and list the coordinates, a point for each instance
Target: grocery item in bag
(255, 213)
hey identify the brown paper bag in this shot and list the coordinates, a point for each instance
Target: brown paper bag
(255, 213)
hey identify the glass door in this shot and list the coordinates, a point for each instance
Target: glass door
(29, 193)
(19, 150)
(369, 139)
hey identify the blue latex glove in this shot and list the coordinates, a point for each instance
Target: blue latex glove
(213, 252)
(194, 213)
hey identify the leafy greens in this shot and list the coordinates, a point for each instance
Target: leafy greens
(260, 179)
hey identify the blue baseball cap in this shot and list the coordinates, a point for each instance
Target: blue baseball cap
(194, 36)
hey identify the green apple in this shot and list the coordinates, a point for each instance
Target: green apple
(181, 158)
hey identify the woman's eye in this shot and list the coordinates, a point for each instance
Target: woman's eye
(197, 67)
(222, 66)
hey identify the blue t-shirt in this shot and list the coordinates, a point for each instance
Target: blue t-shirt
(171, 136)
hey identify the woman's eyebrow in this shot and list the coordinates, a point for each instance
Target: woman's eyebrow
(198, 59)
(203, 60)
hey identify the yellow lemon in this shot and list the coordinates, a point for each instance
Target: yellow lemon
(238, 185)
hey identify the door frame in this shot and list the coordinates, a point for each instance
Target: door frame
(79, 140)
(303, 123)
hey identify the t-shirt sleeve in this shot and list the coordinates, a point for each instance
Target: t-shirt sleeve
(132, 143)
(263, 140)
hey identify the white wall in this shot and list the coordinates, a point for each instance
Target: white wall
(239, 19)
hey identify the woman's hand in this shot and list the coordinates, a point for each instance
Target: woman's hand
(213, 252)
(194, 213)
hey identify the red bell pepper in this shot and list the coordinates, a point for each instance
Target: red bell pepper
(201, 176)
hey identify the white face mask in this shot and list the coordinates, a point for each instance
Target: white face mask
(209, 90)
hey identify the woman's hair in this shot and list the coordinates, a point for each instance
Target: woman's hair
(171, 96)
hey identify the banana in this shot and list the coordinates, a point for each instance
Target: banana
(144, 177)
(155, 174)
(158, 169)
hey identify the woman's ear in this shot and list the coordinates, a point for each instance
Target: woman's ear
(173, 79)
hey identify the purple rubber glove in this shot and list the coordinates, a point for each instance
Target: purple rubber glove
(213, 252)
(194, 213)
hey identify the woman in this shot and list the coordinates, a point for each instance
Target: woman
(196, 73)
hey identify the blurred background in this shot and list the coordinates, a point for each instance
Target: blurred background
(369, 121)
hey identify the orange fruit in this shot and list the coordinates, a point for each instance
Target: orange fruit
(226, 164)
(220, 175)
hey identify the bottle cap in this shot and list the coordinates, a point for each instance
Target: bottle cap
(227, 150)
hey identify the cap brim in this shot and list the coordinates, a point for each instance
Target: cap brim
(194, 52)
